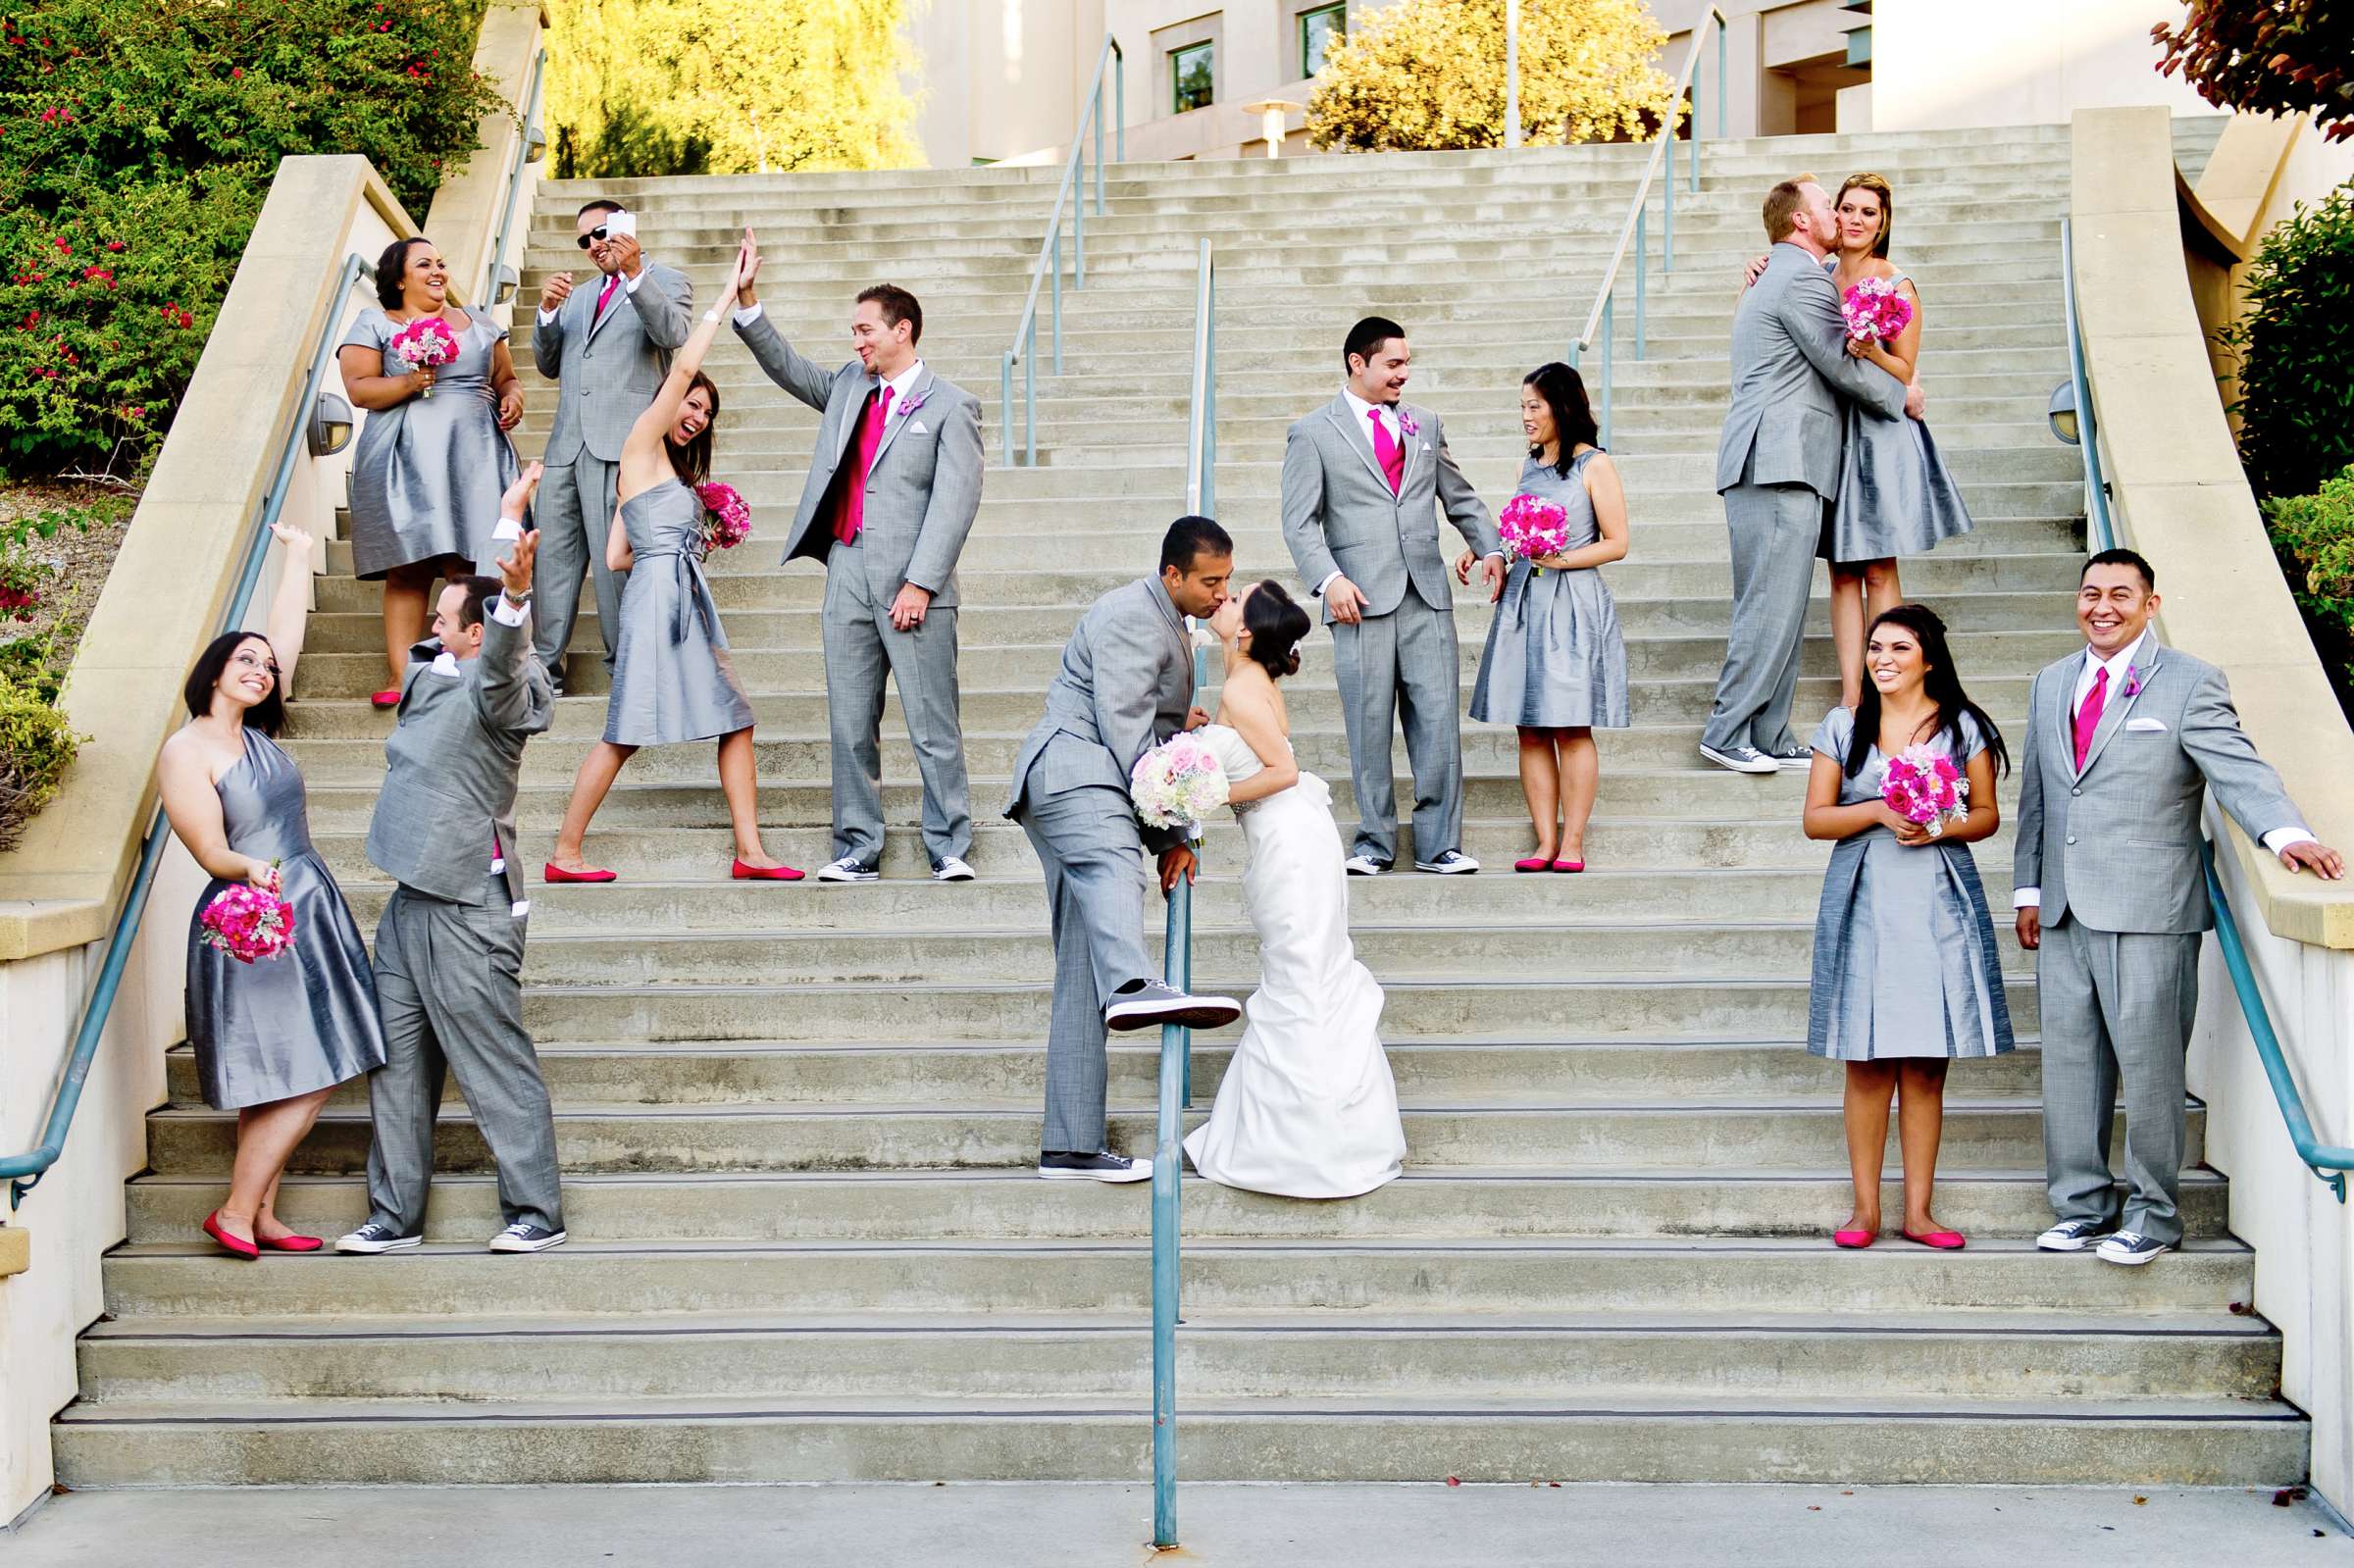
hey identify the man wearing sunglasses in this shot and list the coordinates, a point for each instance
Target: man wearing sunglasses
(606, 343)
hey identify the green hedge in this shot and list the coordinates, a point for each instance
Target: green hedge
(2313, 537)
(2294, 346)
(138, 138)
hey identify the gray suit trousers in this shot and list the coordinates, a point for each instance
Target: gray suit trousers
(2116, 1006)
(861, 644)
(1087, 841)
(449, 984)
(1774, 529)
(575, 513)
(1403, 665)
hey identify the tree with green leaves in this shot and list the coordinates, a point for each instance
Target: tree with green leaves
(1428, 75)
(752, 87)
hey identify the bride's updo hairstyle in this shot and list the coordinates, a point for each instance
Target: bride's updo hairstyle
(1276, 624)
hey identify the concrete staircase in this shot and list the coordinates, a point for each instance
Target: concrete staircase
(796, 1120)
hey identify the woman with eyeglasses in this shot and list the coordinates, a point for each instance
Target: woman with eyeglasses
(433, 456)
(273, 1037)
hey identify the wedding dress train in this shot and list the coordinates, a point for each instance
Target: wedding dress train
(1308, 1107)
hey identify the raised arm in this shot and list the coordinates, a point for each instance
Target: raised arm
(1810, 312)
(506, 693)
(665, 304)
(547, 325)
(290, 606)
(643, 448)
(778, 359)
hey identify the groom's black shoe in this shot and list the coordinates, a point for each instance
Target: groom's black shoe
(1149, 1003)
(1097, 1167)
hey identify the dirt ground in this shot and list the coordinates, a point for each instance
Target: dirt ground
(84, 558)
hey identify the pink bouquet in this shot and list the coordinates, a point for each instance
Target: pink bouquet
(1876, 307)
(1177, 783)
(1925, 787)
(1532, 526)
(426, 341)
(727, 521)
(248, 923)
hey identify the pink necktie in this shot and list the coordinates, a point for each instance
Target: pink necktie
(852, 514)
(605, 296)
(1393, 461)
(2088, 716)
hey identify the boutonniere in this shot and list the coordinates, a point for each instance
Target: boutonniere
(1405, 423)
(909, 408)
(2132, 681)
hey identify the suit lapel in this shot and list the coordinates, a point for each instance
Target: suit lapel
(1405, 447)
(1359, 442)
(597, 323)
(852, 413)
(2115, 712)
(891, 425)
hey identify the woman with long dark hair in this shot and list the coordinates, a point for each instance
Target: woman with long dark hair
(272, 1038)
(1555, 664)
(672, 678)
(434, 455)
(1907, 975)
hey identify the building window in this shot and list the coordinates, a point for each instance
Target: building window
(1317, 29)
(1189, 70)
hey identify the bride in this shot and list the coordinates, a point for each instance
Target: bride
(1308, 1107)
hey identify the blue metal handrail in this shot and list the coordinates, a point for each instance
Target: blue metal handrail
(2327, 1162)
(1024, 352)
(523, 159)
(27, 1170)
(1177, 962)
(1635, 231)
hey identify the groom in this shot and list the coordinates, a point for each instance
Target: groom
(1363, 478)
(1126, 685)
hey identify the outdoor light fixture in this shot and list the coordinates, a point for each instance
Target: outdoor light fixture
(535, 143)
(331, 426)
(504, 284)
(2062, 412)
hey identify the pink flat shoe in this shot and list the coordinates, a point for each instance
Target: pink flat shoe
(235, 1246)
(1533, 863)
(1568, 865)
(555, 873)
(1942, 1241)
(389, 697)
(744, 873)
(1852, 1240)
(290, 1244)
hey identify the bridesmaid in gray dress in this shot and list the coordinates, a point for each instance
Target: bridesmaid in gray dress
(672, 678)
(1555, 665)
(272, 1038)
(428, 470)
(1907, 974)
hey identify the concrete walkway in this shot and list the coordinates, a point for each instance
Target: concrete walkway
(1427, 1524)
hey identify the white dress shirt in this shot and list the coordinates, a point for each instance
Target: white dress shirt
(2120, 666)
(629, 285)
(1362, 416)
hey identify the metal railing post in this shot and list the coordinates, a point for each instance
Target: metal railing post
(1166, 1215)
(1668, 211)
(1056, 270)
(1120, 103)
(1078, 242)
(1030, 401)
(1098, 151)
(1641, 251)
(1721, 94)
(1005, 403)
(1610, 352)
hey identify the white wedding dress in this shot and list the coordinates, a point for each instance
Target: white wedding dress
(1307, 1108)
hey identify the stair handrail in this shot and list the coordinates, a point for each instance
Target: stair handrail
(2327, 1162)
(524, 157)
(1176, 1088)
(1112, 63)
(1634, 230)
(25, 1170)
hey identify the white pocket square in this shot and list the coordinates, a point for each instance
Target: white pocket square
(2146, 726)
(917, 428)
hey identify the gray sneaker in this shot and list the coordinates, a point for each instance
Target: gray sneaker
(847, 869)
(1741, 759)
(2075, 1235)
(371, 1239)
(522, 1238)
(2132, 1248)
(1152, 1004)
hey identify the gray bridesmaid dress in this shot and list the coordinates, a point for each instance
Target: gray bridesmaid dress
(429, 472)
(672, 678)
(1895, 496)
(1555, 658)
(1905, 959)
(305, 1020)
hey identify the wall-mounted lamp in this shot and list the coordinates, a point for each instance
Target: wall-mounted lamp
(331, 426)
(535, 143)
(2062, 412)
(504, 284)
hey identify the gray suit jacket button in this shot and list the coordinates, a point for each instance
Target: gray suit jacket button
(2071, 837)
(2075, 791)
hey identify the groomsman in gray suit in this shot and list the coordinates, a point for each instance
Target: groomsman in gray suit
(893, 487)
(1777, 468)
(450, 948)
(1363, 481)
(2123, 741)
(1126, 685)
(608, 348)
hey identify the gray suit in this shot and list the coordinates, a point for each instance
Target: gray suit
(608, 369)
(1126, 683)
(922, 494)
(450, 948)
(1339, 514)
(2113, 851)
(1777, 468)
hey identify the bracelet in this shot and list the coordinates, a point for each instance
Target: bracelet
(712, 314)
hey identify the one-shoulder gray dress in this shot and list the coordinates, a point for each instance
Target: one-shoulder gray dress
(305, 1020)
(429, 472)
(1555, 658)
(672, 678)
(1895, 496)
(1905, 959)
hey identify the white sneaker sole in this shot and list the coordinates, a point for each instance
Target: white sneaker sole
(2131, 1260)
(368, 1249)
(1461, 867)
(1724, 759)
(1356, 870)
(1193, 1012)
(2082, 1244)
(952, 876)
(1803, 764)
(1141, 1171)
(828, 873)
(499, 1243)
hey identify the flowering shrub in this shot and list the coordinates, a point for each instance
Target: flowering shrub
(138, 138)
(37, 744)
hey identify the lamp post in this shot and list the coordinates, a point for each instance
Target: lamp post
(1512, 73)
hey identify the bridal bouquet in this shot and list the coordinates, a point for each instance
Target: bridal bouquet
(247, 922)
(727, 521)
(1531, 526)
(425, 341)
(1925, 787)
(1177, 784)
(1876, 307)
